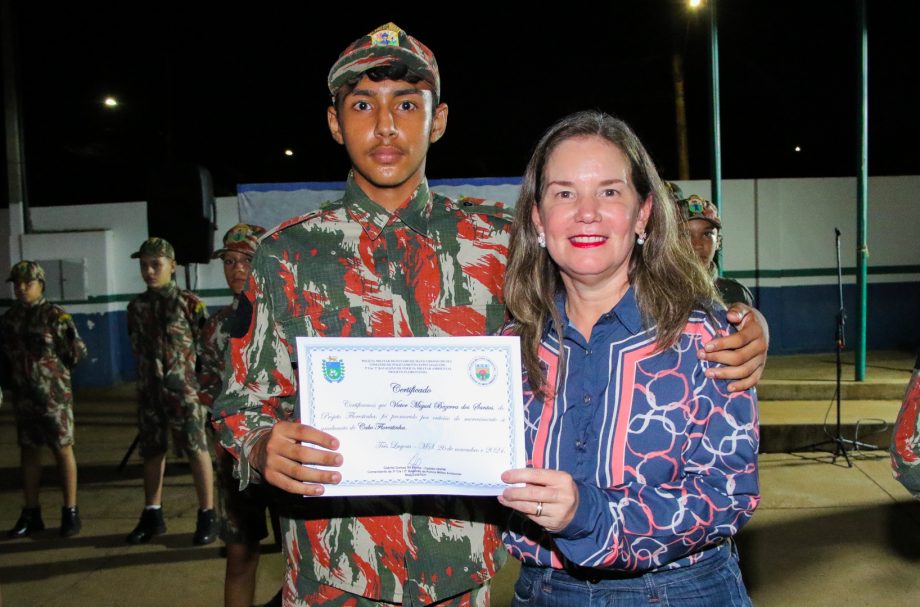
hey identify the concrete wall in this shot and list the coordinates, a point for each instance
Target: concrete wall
(778, 240)
(103, 236)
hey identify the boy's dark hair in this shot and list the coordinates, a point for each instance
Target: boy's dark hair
(393, 71)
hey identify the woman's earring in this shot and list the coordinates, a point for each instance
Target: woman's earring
(640, 238)
(541, 240)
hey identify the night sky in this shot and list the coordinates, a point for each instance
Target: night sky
(231, 88)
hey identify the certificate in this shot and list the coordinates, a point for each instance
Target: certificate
(416, 415)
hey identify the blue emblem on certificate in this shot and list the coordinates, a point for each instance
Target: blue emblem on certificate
(482, 371)
(333, 370)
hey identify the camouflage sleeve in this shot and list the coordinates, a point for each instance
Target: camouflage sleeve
(259, 377)
(135, 329)
(198, 317)
(67, 342)
(210, 357)
(905, 440)
(181, 355)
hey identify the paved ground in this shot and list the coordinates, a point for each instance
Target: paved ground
(823, 535)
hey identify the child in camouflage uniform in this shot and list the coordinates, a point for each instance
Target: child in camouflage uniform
(41, 346)
(705, 230)
(164, 324)
(242, 520)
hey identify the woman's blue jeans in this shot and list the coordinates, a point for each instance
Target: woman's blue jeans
(713, 582)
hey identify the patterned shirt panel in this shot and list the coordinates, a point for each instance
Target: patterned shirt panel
(164, 326)
(434, 267)
(665, 459)
(41, 345)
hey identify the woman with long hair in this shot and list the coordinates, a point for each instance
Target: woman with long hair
(642, 467)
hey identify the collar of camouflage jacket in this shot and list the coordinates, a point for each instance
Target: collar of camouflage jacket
(415, 212)
(166, 292)
(34, 304)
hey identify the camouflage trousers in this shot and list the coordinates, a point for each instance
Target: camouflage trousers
(322, 594)
(156, 420)
(41, 424)
(242, 513)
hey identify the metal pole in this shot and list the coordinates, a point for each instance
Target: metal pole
(862, 197)
(716, 146)
(19, 218)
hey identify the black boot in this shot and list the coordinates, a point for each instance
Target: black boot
(30, 521)
(151, 524)
(205, 529)
(70, 521)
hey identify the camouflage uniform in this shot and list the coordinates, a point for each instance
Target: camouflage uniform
(41, 345)
(433, 268)
(164, 325)
(695, 207)
(905, 439)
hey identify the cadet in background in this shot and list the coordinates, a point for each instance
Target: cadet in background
(41, 346)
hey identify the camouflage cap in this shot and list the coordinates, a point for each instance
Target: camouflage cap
(155, 247)
(242, 238)
(696, 207)
(25, 271)
(385, 45)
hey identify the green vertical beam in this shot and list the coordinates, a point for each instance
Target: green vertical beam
(862, 197)
(716, 146)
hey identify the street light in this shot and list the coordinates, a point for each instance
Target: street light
(110, 102)
(288, 152)
(695, 4)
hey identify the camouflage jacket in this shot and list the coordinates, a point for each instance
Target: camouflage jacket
(435, 267)
(905, 440)
(212, 348)
(164, 326)
(41, 345)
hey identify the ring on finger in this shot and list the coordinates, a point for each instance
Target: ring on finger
(539, 511)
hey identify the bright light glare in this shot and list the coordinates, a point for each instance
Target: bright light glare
(695, 3)
(110, 102)
(288, 152)
(798, 149)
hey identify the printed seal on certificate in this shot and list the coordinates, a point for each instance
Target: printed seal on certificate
(333, 370)
(482, 371)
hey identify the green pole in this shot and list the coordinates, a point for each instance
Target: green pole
(716, 146)
(862, 197)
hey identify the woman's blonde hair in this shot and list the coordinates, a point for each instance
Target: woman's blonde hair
(669, 281)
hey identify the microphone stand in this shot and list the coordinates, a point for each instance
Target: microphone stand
(840, 443)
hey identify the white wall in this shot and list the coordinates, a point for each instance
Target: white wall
(105, 235)
(788, 224)
(769, 225)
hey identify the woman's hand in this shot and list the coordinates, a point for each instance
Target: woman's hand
(548, 497)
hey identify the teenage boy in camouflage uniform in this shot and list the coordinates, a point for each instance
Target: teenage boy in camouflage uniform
(391, 258)
(705, 230)
(242, 520)
(164, 323)
(41, 346)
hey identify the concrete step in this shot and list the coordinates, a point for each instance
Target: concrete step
(814, 377)
(824, 390)
(787, 426)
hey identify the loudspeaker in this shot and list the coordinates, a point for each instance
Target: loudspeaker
(181, 209)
